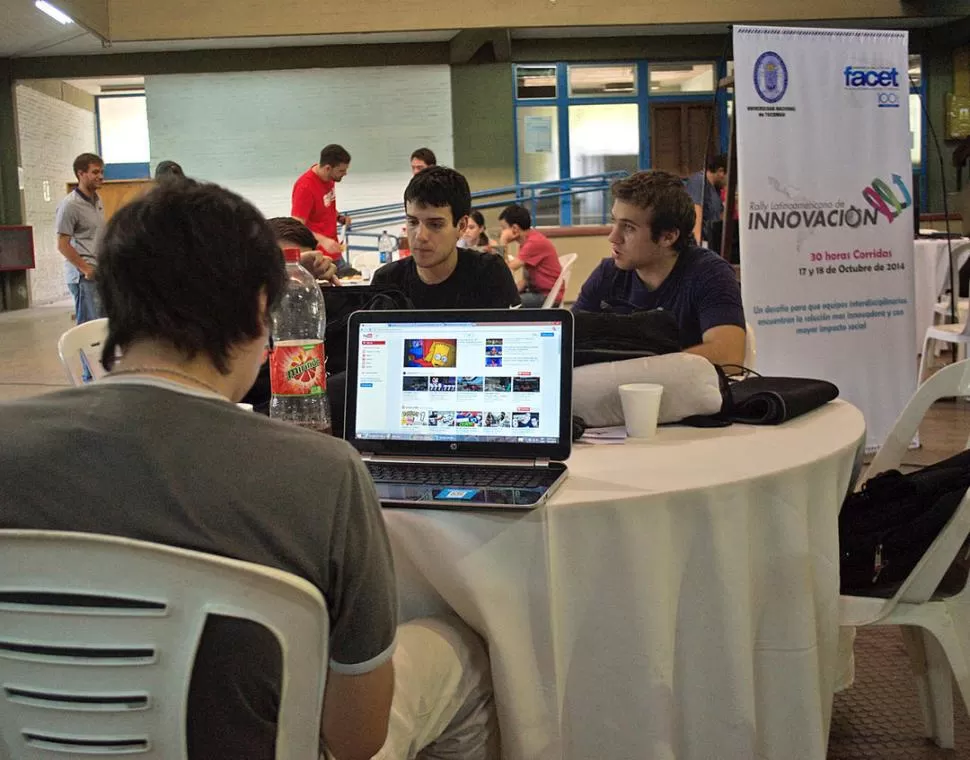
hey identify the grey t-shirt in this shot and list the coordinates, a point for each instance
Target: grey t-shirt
(152, 462)
(82, 218)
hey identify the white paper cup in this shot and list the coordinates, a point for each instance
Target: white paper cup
(641, 407)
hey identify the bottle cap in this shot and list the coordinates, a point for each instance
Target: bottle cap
(292, 255)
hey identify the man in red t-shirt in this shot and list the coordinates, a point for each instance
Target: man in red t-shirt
(536, 253)
(315, 200)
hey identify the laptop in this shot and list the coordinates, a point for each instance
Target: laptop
(464, 408)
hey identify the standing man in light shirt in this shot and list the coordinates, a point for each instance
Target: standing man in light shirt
(314, 199)
(79, 220)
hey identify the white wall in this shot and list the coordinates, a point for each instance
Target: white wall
(256, 133)
(51, 133)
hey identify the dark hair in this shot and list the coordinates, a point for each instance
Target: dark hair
(666, 195)
(292, 231)
(334, 155)
(185, 264)
(168, 170)
(718, 162)
(516, 214)
(82, 162)
(426, 155)
(439, 186)
(480, 221)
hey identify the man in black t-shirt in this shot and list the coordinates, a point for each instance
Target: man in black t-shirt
(438, 274)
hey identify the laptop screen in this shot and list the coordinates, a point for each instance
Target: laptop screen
(487, 377)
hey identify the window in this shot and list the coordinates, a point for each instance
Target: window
(679, 78)
(535, 82)
(596, 121)
(123, 129)
(586, 81)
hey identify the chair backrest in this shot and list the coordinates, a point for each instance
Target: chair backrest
(750, 347)
(98, 636)
(953, 380)
(82, 344)
(562, 281)
(921, 584)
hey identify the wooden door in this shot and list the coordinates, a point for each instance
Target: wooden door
(679, 136)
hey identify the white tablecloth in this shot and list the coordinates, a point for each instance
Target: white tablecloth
(931, 265)
(677, 598)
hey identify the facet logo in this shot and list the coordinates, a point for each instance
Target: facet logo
(860, 77)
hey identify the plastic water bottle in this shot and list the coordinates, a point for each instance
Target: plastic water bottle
(297, 365)
(386, 245)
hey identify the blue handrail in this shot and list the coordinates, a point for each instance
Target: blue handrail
(530, 193)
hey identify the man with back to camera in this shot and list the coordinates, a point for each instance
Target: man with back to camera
(157, 451)
(537, 255)
(438, 274)
(656, 265)
(421, 159)
(314, 200)
(78, 222)
(705, 188)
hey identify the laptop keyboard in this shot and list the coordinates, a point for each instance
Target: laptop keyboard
(463, 475)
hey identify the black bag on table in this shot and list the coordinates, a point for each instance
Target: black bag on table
(607, 337)
(774, 400)
(886, 528)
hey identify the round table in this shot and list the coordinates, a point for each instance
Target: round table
(676, 598)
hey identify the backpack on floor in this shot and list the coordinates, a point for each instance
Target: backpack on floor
(887, 527)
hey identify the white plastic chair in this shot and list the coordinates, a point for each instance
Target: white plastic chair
(98, 636)
(958, 333)
(83, 340)
(936, 630)
(750, 347)
(562, 281)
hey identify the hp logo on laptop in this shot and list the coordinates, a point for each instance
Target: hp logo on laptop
(453, 447)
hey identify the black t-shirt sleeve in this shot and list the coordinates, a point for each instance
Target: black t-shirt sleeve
(496, 284)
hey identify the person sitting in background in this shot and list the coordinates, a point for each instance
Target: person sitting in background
(537, 256)
(168, 170)
(437, 274)
(189, 275)
(314, 200)
(475, 236)
(655, 265)
(704, 188)
(292, 233)
(421, 159)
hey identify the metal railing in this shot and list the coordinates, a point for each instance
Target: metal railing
(367, 224)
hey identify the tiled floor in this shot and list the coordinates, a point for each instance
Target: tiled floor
(878, 718)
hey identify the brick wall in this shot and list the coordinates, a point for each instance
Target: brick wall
(51, 133)
(256, 133)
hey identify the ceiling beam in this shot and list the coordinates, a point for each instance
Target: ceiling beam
(467, 44)
(90, 14)
(216, 61)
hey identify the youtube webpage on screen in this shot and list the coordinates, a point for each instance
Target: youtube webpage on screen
(468, 381)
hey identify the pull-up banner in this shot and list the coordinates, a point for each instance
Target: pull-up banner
(825, 205)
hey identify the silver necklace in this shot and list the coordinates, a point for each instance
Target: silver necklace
(167, 371)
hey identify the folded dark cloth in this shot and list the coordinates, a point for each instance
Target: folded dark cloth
(773, 400)
(608, 337)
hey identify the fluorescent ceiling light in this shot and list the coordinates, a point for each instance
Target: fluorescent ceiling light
(54, 13)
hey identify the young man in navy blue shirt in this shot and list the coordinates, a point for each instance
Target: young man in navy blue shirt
(655, 265)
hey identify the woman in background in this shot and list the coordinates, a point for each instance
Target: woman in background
(475, 236)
